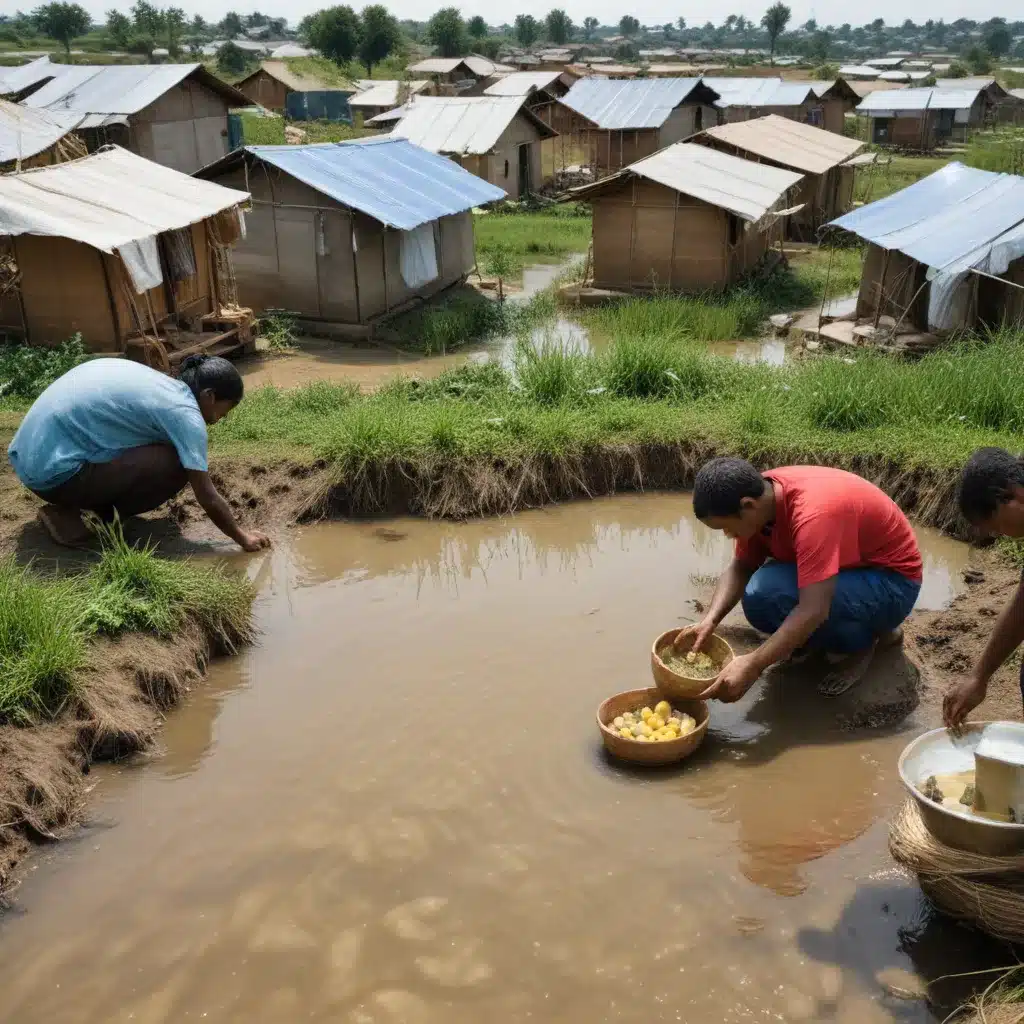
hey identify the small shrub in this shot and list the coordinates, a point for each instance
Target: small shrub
(26, 371)
(278, 329)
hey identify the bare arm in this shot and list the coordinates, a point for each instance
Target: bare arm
(214, 505)
(1007, 636)
(811, 611)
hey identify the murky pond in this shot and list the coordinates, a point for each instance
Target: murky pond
(396, 809)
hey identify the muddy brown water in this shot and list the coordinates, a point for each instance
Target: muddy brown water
(396, 809)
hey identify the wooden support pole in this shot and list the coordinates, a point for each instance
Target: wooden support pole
(881, 288)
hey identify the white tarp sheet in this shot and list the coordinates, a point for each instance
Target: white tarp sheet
(419, 256)
(108, 200)
(142, 260)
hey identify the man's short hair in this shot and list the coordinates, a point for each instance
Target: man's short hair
(987, 481)
(722, 484)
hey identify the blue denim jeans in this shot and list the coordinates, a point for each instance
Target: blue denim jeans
(865, 604)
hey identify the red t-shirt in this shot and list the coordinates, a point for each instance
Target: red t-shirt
(827, 520)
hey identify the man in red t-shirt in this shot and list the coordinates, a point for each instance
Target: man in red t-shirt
(824, 561)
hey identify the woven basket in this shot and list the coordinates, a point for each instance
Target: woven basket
(662, 752)
(676, 686)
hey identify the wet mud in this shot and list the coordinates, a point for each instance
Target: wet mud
(397, 808)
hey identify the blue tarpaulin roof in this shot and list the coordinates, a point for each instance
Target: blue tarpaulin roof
(951, 219)
(614, 104)
(391, 180)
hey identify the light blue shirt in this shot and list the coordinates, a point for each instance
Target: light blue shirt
(99, 410)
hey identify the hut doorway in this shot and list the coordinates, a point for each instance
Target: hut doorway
(524, 170)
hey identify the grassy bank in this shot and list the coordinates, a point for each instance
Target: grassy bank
(891, 174)
(87, 660)
(653, 405)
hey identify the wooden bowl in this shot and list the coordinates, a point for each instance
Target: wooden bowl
(662, 752)
(676, 686)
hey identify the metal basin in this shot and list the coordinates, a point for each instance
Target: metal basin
(940, 752)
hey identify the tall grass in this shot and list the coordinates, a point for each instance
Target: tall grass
(531, 237)
(46, 623)
(1000, 149)
(459, 318)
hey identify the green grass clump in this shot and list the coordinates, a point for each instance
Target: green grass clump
(132, 590)
(459, 318)
(42, 643)
(524, 238)
(46, 623)
(550, 373)
(28, 370)
(999, 149)
(258, 130)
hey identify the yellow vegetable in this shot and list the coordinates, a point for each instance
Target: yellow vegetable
(656, 722)
(626, 732)
(663, 709)
(646, 713)
(641, 738)
(646, 731)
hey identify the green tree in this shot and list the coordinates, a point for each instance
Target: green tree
(811, 26)
(774, 22)
(978, 59)
(232, 60)
(255, 20)
(998, 38)
(681, 23)
(336, 33)
(527, 29)
(477, 27)
(277, 27)
(628, 26)
(63, 22)
(232, 25)
(446, 31)
(590, 26)
(198, 25)
(119, 28)
(174, 28)
(818, 48)
(559, 26)
(381, 35)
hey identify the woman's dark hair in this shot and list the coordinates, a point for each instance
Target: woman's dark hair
(212, 373)
(722, 484)
(987, 481)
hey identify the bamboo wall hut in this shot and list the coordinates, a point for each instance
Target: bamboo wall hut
(459, 76)
(742, 99)
(36, 138)
(173, 114)
(616, 123)
(278, 86)
(494, 137)
(131, 255)
(688, 218)
(920, 119)
(826, 190)
(837, 99)
(999, 105)
(945, 253)
(345, 233)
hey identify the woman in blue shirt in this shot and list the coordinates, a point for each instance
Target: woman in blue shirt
(112, 435)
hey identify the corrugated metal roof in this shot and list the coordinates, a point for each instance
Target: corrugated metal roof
(14, 80)
(121, 88)
(964, 83)
(468, 125)
(760, 92)
(895, 76)
(953, 99)
(1017, 93)
(384, 93)
(646, 103)
(858, 71)
(389, 179)
(522, 83)
(107, 200)
(740, 186)
(800, 146)
(480, 66)
(885, 62)
(895, 99)
(25, 132)
(951, 219)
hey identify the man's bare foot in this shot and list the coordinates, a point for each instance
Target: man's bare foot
(64, 525)
(849, 670)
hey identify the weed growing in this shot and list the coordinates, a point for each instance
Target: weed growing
(277, 328)
(531, 237)
(459, 318)
(28, 370)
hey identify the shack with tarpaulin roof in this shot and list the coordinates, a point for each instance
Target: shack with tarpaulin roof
(826, 190)
(173, 114)
(618, 122)
(742, 99)
(943, 254)
(494, 137)
(920, 119)
(277, 86)
(689, 218)
(349, 232)
(36, 138)
(131, 255)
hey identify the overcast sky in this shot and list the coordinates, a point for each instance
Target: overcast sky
(696, 12)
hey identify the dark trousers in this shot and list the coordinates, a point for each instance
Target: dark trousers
(140, 480)
(866, 603)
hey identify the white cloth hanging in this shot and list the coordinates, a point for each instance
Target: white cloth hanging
(419, 256)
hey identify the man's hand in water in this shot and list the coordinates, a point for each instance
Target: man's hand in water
(700, 631)
(254, 541)
(734, 680)
(961, 700)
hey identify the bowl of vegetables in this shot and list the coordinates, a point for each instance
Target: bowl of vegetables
(682, 674)
(641, 726)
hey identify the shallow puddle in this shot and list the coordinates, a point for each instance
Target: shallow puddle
(396, 809)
